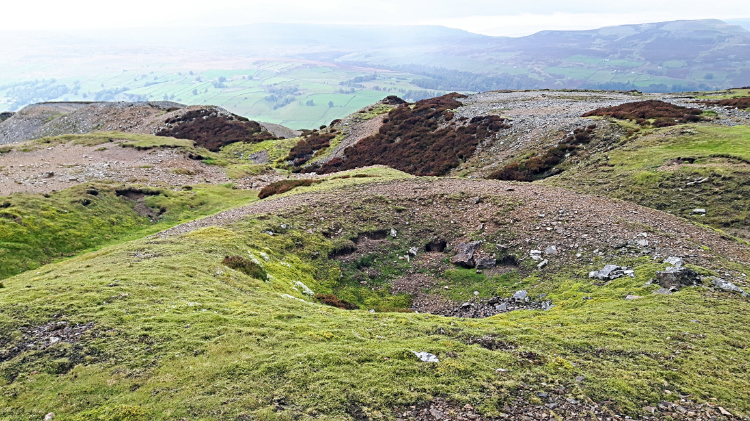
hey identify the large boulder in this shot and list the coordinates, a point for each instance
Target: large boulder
(676, 277)
(465, 255)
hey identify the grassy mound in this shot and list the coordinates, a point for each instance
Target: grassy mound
(38, 229)
(284, 186)
(212, 130)
(676, 170)
(652, 112)
(421, 139)
(168, 331)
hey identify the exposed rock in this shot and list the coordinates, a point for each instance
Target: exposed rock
(699, 211)
(610, 272)
(465, 256)
(49, 417)
(542, 264)
(486, 263)
(726, 285)
(536, 255)
(521, 295)
(550, 250)
(426, 357)
(674, 261)
(394, 233)
(663, 291)
(632, 297)
(413, 251)
(677, 277)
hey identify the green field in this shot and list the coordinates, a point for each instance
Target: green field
(245, 91)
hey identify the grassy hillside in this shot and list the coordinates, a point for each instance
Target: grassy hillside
(167, 331)
(676, 170)
(37, 229)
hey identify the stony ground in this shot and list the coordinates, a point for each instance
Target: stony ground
(542, 119)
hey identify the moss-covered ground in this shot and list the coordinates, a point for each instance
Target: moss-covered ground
(178, 335)
(37, 229)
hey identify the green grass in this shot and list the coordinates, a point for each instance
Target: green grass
(635, 172)
(179, 335)
(37, 229)
(276, 149)
(127, 140)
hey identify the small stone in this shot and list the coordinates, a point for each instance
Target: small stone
(550, 250)
(536, 254)
(643, 242)
(725, 412)
(521, 295)
(426, 357)
(663, 291)
(413, 251)
(699, 211)
(501, 370)
(49, 417)
(632, 297)
(542, 264)
(394, 233)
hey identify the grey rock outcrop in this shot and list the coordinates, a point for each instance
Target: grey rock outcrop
(611, 272)
(465, 256)
(676, 277)
(727, 286)
(486, 263)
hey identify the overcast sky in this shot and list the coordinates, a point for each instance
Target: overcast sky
(491, 17)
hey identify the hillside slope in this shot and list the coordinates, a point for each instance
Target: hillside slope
(223, 319)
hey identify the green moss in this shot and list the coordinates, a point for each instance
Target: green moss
(178, 335)
(35, 230)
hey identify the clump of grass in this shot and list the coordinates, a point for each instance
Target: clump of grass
(248, 267)
(183, 171)
(284, 186)
(334, 301)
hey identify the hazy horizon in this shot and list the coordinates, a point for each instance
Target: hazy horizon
(477, 16)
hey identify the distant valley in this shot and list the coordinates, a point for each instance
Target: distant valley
(303, 76)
